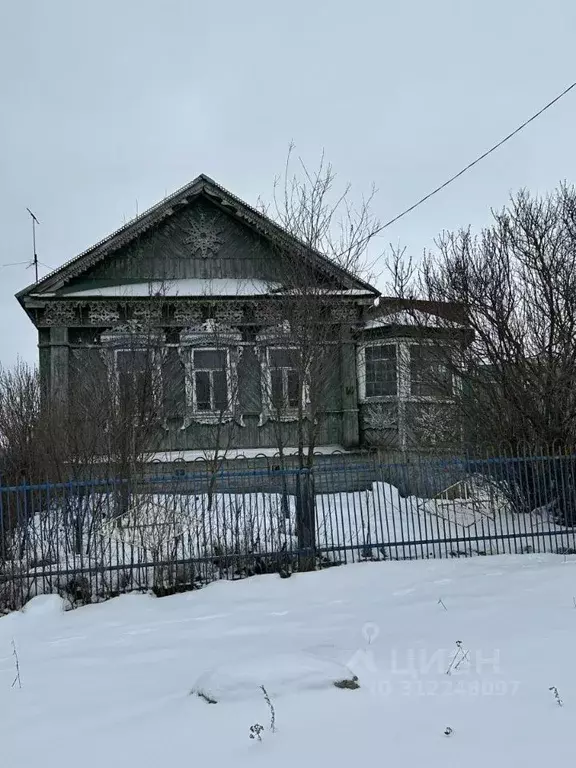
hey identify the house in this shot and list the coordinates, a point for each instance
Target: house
(220, 322)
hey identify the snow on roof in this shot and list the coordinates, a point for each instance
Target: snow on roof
(194, 286)
(189, 286)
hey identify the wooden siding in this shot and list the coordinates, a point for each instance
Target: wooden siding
(169, 253)
(87, 360)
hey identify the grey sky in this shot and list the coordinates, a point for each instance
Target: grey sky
(103, 104)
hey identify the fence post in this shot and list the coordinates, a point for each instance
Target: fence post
(305, 519)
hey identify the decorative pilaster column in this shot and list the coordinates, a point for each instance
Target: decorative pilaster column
(403, 392)
(349, 388)
(59, 365)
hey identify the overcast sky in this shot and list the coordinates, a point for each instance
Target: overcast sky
(105, 103)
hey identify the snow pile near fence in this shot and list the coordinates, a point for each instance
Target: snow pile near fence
(44, 606)
(381, 523)
(201, 525)
(110, 684)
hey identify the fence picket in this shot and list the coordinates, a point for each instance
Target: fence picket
(91, 540)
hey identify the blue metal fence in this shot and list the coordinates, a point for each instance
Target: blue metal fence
(92, 539)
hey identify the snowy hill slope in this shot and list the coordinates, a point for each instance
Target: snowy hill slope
(109, 684)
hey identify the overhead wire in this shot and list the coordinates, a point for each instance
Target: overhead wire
(474, 162)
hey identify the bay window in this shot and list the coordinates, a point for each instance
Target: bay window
(430, 376)
(380, 370)
(404, 369)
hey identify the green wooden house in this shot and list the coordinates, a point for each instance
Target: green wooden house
(211, 299)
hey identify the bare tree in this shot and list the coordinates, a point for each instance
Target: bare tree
(315, 315)
(212, 354)
(517, 282)
(21, 453)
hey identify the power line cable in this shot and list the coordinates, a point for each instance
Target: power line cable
(475, 162)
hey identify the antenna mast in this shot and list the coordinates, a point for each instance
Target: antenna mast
(35, 260)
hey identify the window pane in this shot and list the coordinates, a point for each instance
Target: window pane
(125, 388)
(293, 389)
(211, 359)
(202, 382)
(220, 390)
(134, 368)
(283, 358)
(277, 390)
(381, 371)
(383, 352)
(429, 374)
(129, 360)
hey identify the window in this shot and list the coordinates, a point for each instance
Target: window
(210, 353)
(429, 374)
(134, 377)
(133, 359)
(285, 389)
(209, 380)
(381, 370)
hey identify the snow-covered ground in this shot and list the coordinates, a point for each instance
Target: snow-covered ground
(110, 684)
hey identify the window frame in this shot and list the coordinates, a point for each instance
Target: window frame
(126, 339)
(404, 388)
(431, 398)
(210, 336)
(286, 407)
(133, 351)
(278, 337)
(269, 409)
(190, 382)
(362, 371)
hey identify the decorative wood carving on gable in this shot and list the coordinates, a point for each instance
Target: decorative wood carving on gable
(203, 234)
(103, 314)
(187, 313)
(60, 313)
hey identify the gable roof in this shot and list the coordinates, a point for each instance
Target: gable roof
(202, 185)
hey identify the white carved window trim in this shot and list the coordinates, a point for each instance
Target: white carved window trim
(277, 337)
(403, 377)
(403, 371)
(287, 412)
(213, 416)
(130, 340)
(202, 338)
(362, 371)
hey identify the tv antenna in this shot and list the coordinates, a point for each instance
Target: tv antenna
(35, 259)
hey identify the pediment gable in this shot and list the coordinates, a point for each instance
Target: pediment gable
(199, 239)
